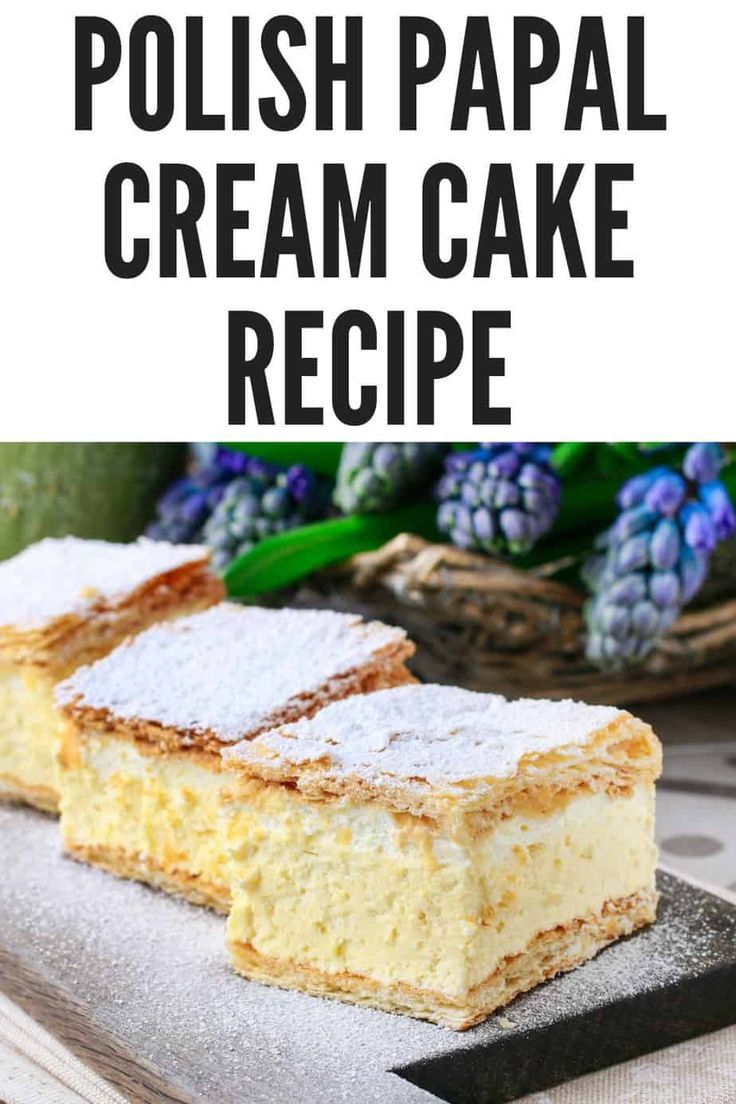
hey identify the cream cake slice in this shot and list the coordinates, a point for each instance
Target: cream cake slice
(435, 851)
(141, 770)
(63, 603)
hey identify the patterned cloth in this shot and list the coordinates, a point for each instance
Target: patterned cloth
(696, 812)
(701, 1071)
(35, 1068)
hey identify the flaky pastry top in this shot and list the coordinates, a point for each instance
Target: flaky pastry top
(427, 748)
(59, 577)
(229, 672)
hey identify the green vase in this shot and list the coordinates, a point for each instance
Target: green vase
(107, 491)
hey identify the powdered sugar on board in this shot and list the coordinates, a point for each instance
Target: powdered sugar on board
(63, 576)
(153, 972)
(440, 735)
(230, 669)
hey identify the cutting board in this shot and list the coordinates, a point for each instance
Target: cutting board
(137, 984)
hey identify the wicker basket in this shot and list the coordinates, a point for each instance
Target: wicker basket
(486, 625)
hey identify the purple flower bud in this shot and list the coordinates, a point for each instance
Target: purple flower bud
(630, 647)
(632, 521)
(645, 618)
(483, 524)
(703, 462)
(463, 518)
(448, 487)
(256, 468)
(515, 527)
(210, 475)
(717, 501)
(614, 621)
(693, 571)
(629, 590)
(230, 460)
(194, 508)
(387, 460)
(535, 502)
(248, 506)
(505, 465)
(299, 482)
(456, 465)
(505, 493)
(469, 494)
(553, 485)
(666, 494)
(476, 472)
(613, 649)
(633, 491)
(531, 475)
(537, 526)
(633, 554)
(698, 528)
(172, 497)
(446, 516)
(664, 589)
(664, 547)
(215, 496)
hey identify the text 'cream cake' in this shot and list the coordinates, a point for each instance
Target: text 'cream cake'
(434, 851)
(141, 771)
(65, 602)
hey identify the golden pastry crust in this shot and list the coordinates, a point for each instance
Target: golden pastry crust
(613, 758)
(549, 953)
(44, 798)
(180, 883)
(69, 641)
(386, 669)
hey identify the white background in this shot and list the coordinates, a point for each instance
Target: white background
(88, 356)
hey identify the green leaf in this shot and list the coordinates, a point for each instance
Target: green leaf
(568, 456)
(728, 476)
(322, 456)
(278, 561)
(627, 451)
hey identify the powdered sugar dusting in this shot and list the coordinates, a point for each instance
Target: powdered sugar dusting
(440, 735)
(153, 971)
(230, 669)
(67, 575)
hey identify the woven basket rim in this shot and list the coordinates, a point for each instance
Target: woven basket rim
(493, 625)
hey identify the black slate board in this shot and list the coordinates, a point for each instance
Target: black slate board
(696, 995)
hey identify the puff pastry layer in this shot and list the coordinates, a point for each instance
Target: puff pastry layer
(433, 851)
(64, 603)
(142, 778)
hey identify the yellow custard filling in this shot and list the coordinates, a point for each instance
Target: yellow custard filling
(161, 809)
(29, 729)
(345, 887)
